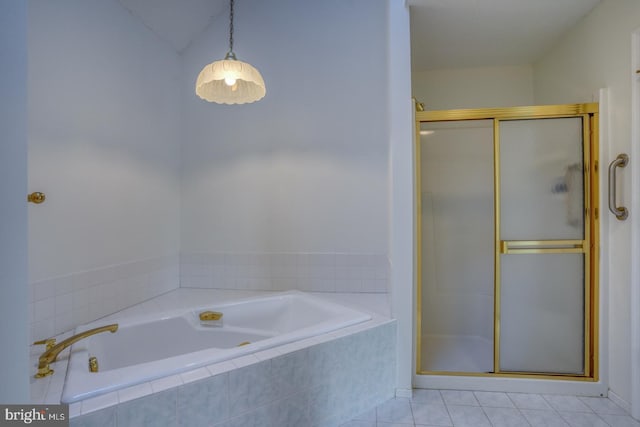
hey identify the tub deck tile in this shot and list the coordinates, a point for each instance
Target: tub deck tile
(165, 383)
(99, 402)
(195, 375)
(51, 398)
(221, 368)
(75, 409)
(241, 362)
(297, 345)
(134, 392)
(267, 354)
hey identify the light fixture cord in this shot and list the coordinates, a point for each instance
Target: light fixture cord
(231, 27)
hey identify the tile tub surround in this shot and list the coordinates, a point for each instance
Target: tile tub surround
(164, 343)
(60, 304)
(314, 272)
(320, 381)
(49, 389)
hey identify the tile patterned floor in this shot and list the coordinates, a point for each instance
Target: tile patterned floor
(489, 409)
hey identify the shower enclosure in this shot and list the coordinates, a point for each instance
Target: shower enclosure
(507, 241)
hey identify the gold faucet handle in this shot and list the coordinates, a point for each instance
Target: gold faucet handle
(93, 364)
(49, 342)
(210, 315)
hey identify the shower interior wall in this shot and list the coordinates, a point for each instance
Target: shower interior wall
(138, 170)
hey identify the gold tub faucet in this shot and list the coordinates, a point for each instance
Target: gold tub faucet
(50, 355)
(210, 315)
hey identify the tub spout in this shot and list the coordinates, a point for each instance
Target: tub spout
(50, 355)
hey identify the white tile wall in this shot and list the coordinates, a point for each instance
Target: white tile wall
(316, 272)
(59, 304)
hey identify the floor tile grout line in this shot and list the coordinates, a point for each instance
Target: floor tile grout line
(413, 419)
(445, 406)
(486, 416)
(514, 406)
(521, 414)
(566, 395)
(545, 398)
(603, 420)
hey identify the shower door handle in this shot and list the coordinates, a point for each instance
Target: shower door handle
(619, 211)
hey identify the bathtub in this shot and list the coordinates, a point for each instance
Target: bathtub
(148, 347)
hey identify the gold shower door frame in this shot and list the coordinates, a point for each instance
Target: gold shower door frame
(589, 246)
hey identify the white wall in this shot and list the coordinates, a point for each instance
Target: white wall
(594, 54)
(104, 132)
(104, 123)
(13, 209)
(401, 190)
(481, 87)
(305, 169)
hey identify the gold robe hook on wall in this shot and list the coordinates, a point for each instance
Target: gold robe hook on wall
(36, 197)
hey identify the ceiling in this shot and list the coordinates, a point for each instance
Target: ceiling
(473, 33)
(444, 33)
(178, 22)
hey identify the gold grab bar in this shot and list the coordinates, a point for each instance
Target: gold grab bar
(620, 212)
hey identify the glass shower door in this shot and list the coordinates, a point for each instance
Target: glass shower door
(542, 244)
(507, 242)
(457, 253)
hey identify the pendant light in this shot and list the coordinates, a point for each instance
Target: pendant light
(230, 81)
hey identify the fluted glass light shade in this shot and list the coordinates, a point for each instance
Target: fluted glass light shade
(229, 81)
